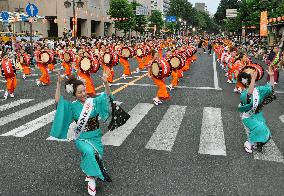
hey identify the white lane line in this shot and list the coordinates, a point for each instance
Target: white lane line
(282, 118)
(166, 132)
(2, 90)
(31, 126)
(117, 136)
(212, 140)
(14, 104)
(270, 152)
(279, 92)
(152, 85)
(144, 71)
(21, 113)
(216, 81)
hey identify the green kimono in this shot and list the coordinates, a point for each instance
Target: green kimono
(255, 122)
(88, 142)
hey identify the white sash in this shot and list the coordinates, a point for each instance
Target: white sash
(254, 106)
(84, 117)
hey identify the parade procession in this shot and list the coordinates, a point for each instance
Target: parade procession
(142, 97)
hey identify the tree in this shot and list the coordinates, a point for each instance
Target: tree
(123, 10)
(220, 15)
(140, 21)
(156, 18)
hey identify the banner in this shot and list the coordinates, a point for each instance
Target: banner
(263, 24)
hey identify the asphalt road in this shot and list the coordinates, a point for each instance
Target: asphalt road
(201, 152)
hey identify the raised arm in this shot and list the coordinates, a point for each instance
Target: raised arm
(271, 75)
(252, 83)
(58, 87)
(105, 82)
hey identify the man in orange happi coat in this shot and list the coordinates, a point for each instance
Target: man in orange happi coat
(8, 70)
(139, 59)
(126, 65)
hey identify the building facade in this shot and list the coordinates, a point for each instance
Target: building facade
(201, 7)
(92, 19)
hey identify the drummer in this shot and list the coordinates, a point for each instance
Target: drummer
(162, 92)
(24, 59)
(44, 79)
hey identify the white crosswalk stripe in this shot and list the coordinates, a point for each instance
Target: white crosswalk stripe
(166, 132)
(14, 104)
(116, 137)
(212, 140)
(271, 153)
(31, 126)
(24, 112)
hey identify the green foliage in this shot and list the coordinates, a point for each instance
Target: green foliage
(140, 22)
(184, 10)
(121, 9)
(156, 18)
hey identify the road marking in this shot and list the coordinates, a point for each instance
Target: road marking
(282, 118)
(2, 90)
(14, 104)
(152, 85)
(31, 126)
(126, 85)
(117, 136)
(279, 92)
(216, 83)
(115, 80)
(166, 132)
(3, 81)
(212, 140)
(21, 113)
(271, 152)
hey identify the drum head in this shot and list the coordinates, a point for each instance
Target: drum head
(175, 62)
(45, 57)
(86, 64)
(139, 52)
(107, 58)
(125, 52)
(67, 57)
(155, 69)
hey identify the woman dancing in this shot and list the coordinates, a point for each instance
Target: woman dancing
(252, 101)
(88, 136)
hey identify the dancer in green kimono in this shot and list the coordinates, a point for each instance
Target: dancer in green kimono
(252, 101)
(88, 136)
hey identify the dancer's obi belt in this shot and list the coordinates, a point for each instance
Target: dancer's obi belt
(92, 124)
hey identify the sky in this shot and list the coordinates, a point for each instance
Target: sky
(211, 4)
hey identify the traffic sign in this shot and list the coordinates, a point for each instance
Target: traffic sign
(32, 10)
(5, 15)
(171, 19)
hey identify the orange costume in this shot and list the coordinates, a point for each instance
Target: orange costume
(25, 64)
(9, 71)
(50, 65)
(126, 66)
(162, 88)
(44, 79)
(86, 77)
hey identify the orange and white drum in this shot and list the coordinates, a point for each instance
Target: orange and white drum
(110, 58)
(127, 52)
(160, 68)
(45, 57)
(86, 65)
(177, 62)
(95, 65)
(140, 52)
